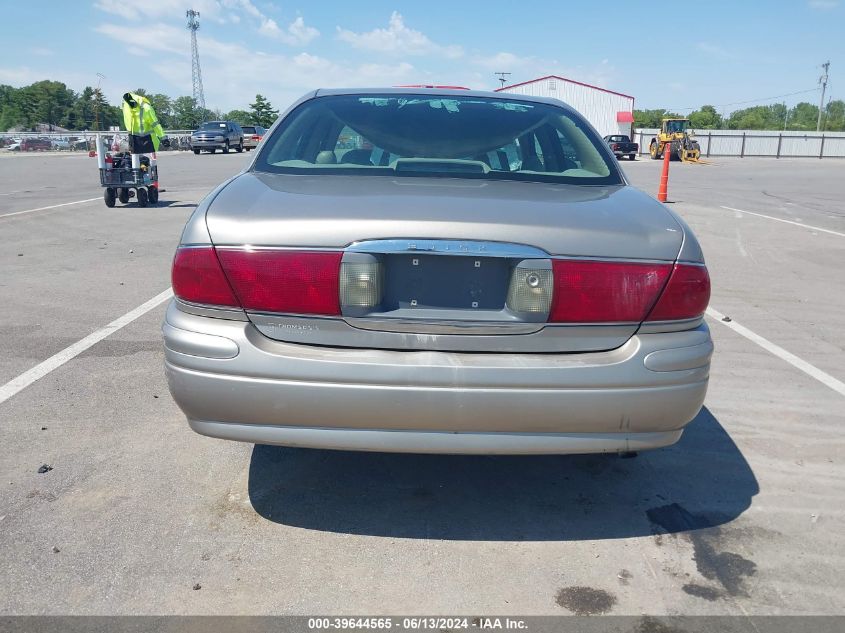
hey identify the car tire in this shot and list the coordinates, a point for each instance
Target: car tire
(152, 193)
(632, 157)
(240, 147)
(143, 197)
(212, 150)
(226, 148)
(123, 195)
(196, 151)
(109, 197)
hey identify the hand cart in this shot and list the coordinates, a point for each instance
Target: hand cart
(133, 176)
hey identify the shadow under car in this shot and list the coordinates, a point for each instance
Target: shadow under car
(513, 498)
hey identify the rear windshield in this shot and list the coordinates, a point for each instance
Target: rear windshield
(248, 129)
(213, 125)
(448, 136)
(620, 139)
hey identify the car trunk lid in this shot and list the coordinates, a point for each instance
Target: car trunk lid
(445, 253)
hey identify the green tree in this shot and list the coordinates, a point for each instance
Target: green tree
(262, 112)
(706, 118)
(241, 117)
(804, 116)
(834, 116)
(652, 118)
(186, 114)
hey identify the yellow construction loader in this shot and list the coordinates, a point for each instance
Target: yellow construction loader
(675, 134)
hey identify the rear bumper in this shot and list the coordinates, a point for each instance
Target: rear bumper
(234, 383)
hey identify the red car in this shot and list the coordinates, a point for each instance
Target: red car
(32, 144)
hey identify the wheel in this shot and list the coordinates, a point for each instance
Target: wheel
(240, 147)
(652, 150)
(226, 148)
(196, 151)
(212, 150)
(143, 198)
(632, 157)
(123, 195)
(152, 192)
(108, 196)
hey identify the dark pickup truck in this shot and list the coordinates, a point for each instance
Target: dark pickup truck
(622, 146)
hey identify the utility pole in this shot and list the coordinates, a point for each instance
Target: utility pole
(193, 27)
(503, 77)
(100, 77)
(823, 82)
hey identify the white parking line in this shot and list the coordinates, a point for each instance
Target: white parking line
(57, 360)
(769, 217)
(811, 370)
(52, 206)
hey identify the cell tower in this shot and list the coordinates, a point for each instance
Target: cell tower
(193, 27)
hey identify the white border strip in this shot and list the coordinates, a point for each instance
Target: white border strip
(57, 360)
(811, 370)
(768, 217)
(54, 206)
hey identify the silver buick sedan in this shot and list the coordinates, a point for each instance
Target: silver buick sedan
(434, 270)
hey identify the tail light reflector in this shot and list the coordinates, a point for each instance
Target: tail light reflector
(197, 277)
(686, 296)
(255, 137)
(605, 292)
(361, 283)
(531, 286)
(295, 282)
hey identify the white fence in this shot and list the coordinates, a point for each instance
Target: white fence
(84, 141)
(746, 143)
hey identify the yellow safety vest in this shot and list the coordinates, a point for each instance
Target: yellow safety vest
(141, 118)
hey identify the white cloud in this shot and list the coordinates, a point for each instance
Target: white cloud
(219, 11)
(398, 39)
(526, 68)
(227, 86)
(823, 5)
(713, 50)
(297, 33)
(209, 9)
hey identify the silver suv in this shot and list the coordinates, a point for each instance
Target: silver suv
(214, 135)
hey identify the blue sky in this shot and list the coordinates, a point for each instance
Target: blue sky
(716, 52)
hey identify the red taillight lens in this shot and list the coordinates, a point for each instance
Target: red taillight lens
(198, 278)
(615, 146)
(686, 296)
(605, 292)
(295, 282)
(255, 137)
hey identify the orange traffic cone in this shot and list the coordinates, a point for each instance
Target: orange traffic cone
(663, 191)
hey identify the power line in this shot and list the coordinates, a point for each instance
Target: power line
(723, 105)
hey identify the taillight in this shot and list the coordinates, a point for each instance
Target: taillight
(605, 292)
(294, 282)
(255, 137)
(686, 296)
(615, 146)
(198, 278)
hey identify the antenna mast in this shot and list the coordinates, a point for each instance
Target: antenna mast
(193, 27)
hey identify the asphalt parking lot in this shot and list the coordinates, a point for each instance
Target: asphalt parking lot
(743, 516)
